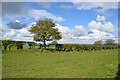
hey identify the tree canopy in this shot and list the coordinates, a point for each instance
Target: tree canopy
(45, 30)
(110, 42)
(100, 42)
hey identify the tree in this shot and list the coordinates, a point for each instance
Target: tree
(45, 30)
(31, 44)
(5, 43)
(100, 42)
(110, 42)
(19, 44)
(54, 42)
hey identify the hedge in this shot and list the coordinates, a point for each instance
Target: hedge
(78, 47)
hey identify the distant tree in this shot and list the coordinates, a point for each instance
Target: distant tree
(19, 44)
(100, 42)
(54, 42)
(5, 44)
(31, 44)
(45, 30)
(110, 42)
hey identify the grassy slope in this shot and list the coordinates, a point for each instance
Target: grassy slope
(36, 64)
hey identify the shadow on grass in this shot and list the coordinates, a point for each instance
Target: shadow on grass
(118, 73)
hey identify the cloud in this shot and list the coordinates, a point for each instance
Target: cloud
(14, 8)
(81, 35)
(37, 14)
(109, 27)
(95, 5)
(20, 35)
(79, 31)
(100, 18)
(102, 24)
(62, 29)
(3, 31)
(102, 8)
(24, 33)
(66, 6)
(16, 25)
(45, 4)
(95, 25)
(10, 34)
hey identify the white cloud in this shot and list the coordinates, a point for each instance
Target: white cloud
(37, 14)
(102, 24)
(95, 25)
(20, 35)
(93, 5)
(100, 18)
(10, 35)
(102, 7)
(24, 33)
(100, 35)
(62, 29)
(79, 34)
(109, 27)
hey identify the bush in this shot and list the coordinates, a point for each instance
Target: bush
(78, 47)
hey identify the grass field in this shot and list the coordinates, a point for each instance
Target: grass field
(58, 64)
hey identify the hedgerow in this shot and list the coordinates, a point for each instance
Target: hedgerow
(78, 47)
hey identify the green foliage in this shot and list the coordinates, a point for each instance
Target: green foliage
(110, 42)
(78, 47)
(45, 30)
(54, 42)
(7, 43)
(100, 42)
(31, 44)
(19, 44)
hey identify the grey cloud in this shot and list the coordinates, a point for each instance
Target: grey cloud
(66, 6)
(45, 4)
(14, 8)
(16, 25)
(90, 32)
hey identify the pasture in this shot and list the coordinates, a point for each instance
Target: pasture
(35, 63)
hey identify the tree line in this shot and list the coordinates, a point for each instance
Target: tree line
(19, 44)
(79, 47)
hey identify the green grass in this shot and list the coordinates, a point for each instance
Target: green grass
(53, 64)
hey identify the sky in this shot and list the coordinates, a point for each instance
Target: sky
(78, 22)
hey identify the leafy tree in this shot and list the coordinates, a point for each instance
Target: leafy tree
(100, 42)
(19, 44)
(110, 42)
(45, 30)
(54, 42)
(11, 43)
(5, 43)
(31, 44)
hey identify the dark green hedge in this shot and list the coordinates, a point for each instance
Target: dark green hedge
(78, 47)
(19, 44)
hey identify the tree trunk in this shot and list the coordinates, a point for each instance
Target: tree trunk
(44, 44)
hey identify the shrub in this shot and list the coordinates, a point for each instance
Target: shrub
(78, 47)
